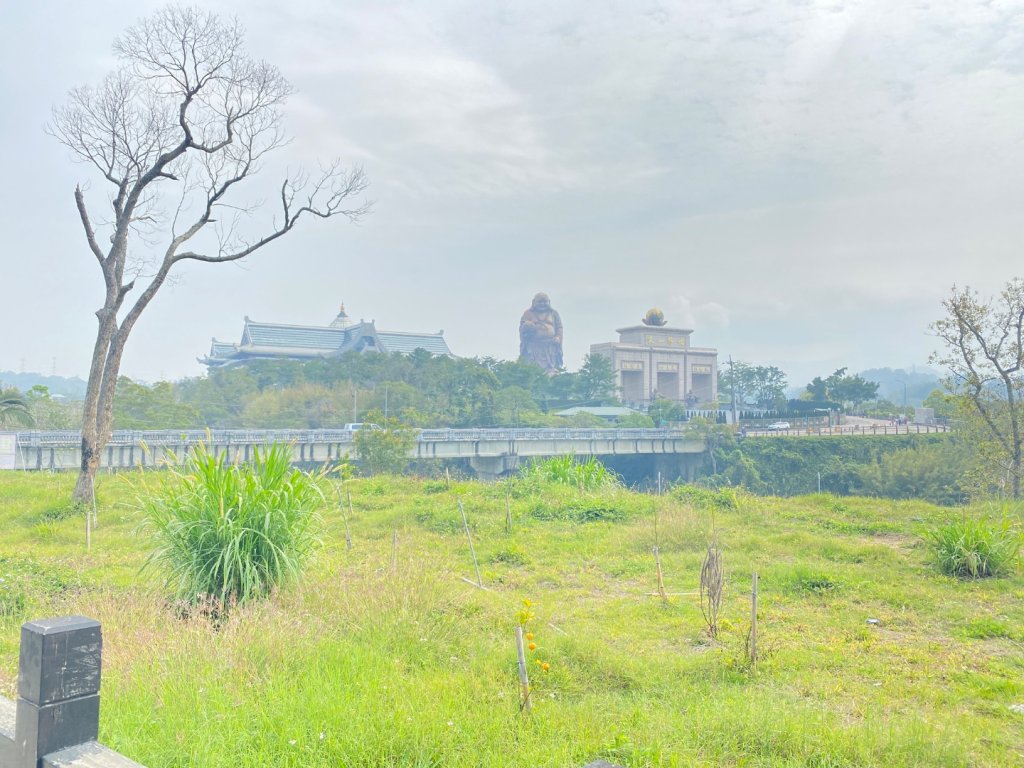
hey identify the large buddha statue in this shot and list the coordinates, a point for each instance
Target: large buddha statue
(540, 335)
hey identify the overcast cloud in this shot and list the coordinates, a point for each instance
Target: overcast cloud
(799, 182)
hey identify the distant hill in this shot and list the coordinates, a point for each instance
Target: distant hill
(72, 389)
(920, 382)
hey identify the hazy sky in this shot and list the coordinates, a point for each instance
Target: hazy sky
(799, 182)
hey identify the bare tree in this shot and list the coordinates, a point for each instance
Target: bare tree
(984, 352)
(174, 133)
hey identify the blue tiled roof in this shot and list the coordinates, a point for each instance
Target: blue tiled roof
(220, 349)
(273, 340)
(294, 336)
(407, 343)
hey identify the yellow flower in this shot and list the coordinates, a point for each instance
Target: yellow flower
(545, 666)
(532, 646)
(529, 635)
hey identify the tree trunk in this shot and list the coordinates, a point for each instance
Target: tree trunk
(83, 492)
(1015, 470)
(94, 440)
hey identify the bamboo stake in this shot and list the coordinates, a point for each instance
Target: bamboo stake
(348, 534)
(472, 552)
(508, 513)
(394, 551)
(474, 584)
(753, 620)
(661, 580)
(524, 679)
(447, 479)
(657, 548)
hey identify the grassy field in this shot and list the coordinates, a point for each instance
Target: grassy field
(387, 657)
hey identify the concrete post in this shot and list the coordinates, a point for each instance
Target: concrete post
(58, 687)
(489, 468)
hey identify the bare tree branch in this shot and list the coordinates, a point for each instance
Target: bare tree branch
(175, 132)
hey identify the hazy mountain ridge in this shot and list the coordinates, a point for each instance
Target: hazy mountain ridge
(72, 388)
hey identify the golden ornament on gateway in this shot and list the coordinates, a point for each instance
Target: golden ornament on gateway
(654, 317)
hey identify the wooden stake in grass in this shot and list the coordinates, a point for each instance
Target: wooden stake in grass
(657, 549)
(661, 580)
(447, 479)
(753, 620)
(524, 679)
(348, 534)
(508, 513)
(394, 551)
(472, 552)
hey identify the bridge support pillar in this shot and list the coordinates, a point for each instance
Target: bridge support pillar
(678, 466)
(490, 468)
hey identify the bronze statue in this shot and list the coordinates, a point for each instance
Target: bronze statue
(540, 335)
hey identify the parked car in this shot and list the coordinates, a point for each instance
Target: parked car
(355, 427)
(778, 426)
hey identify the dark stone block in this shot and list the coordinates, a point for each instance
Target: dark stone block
(41, 730)
(60, 659)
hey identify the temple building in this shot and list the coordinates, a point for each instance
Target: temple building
(654, 361)
(275, 341)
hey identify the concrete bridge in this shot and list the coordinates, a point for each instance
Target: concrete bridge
(490, 452)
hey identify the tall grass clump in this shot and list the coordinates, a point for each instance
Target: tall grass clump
(228, 533)
(587, 475)
(976, 547)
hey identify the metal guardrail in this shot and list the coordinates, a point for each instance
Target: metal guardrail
(855, 430)
(68, 438)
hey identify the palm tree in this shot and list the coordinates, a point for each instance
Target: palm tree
(14, 409)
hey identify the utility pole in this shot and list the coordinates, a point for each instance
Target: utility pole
(732, 389)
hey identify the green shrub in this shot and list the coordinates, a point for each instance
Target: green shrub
(63, 512)
(12, 600)
(976, 547)
(25, 583)
(511, 555)
(582, 511)
(801, 580)
(706, 498)
(987, 628)
(587, 475)
(442, 521)
(231, 532)
(384, 451)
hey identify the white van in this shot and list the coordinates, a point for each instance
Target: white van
(361, 425)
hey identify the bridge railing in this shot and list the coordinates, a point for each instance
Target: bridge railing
(153, 438)
(851, 429)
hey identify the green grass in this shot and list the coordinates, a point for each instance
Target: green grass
(584, 474)
(363, 664)
(227, 533)
(975, 548)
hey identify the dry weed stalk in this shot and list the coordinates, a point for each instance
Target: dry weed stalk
(712, 582)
